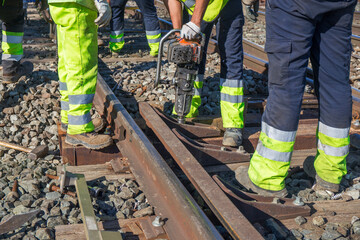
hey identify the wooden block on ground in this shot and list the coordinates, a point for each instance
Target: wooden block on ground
(77, 232)
(92, 172)
(79, 155)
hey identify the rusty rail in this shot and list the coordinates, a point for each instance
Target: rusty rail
(230, 216)
(184, 218)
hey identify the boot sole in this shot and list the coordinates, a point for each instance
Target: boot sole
(75, 142)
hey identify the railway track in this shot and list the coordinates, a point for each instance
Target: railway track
(180, 168)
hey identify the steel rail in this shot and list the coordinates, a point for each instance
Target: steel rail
(229, 215)
(183, 217)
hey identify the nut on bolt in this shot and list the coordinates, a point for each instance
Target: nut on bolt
(298, 201)
(158, 222)
(54, 188)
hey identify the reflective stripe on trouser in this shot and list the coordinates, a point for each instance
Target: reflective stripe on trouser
(314, 31)
(77, 67)
(271, 160)
(196, 99)
(153, 38)
(116, 42)
(231, 102)
(12, 45)
(333, 147)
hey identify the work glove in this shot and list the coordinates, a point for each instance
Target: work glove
(250, 9)
(190, 31)
(104, 10)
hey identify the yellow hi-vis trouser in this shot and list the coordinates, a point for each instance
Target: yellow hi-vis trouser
(78, 63)
(270, 163)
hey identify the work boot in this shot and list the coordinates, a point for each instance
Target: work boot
(98, 125)
(23, 69)
(242, 176)
(320, 184)
(89, 140)
(232, 137)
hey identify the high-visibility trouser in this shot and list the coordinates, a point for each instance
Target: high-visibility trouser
(77, 67)
(116, 42)
(152, 27)
(229, 32)
(316, 27)
(12, 15)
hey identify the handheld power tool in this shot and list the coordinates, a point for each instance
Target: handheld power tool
(187, 57)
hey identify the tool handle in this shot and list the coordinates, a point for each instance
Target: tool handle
(15, 146)
(161, 46)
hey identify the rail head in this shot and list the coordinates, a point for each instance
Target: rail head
(184, 219)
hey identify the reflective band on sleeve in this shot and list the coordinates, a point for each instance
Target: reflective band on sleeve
(272, 154)
(333, 151)
(63, 86)
(12, 39)
(114, 33)
(81, 99)
(79, 120)
(156, 32)
(11, 57)
(65, 106)
(276, 134)
(154, 40)
(333, 132)
(115, 40)
(189, 3)
(231, 83)
(231, 98)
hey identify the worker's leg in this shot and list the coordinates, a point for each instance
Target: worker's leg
(79, 50)
(62, 74)
(152, 26)
(331, 67)
(229, 32)
(117, 25)
(78, 47)
(288, 51)
(12, 15)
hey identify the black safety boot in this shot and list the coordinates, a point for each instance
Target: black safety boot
(23, 69)
(89, 140)
(97, 122)
(319, 184)
(232, 137)
(242, 176)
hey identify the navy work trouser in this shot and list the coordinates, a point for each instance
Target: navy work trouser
(229, 25)
(12, 16)
(297, 30)
(152, 27)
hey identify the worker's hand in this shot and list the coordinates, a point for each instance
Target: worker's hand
(104, 10)
(250, 9)
(190, 31)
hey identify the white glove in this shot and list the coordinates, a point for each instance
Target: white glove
(190, 31)
(104, 12)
